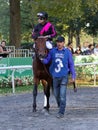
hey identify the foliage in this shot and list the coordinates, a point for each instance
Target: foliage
(4, 19)
(24, 84)
(67, 16)
(26, 21)
(6, 82)
(86, 72)
(19, 89)
(90, 9)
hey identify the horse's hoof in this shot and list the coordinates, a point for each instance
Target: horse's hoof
(45, 112)
(34, 110)
(75, 89)
(47, 108)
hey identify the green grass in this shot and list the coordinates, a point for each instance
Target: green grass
(25, 89)
(18, 89)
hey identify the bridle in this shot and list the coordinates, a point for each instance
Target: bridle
(40, 49)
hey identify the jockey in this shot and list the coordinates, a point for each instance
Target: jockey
(44, 28)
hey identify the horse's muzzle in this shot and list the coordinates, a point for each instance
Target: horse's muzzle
(42, 56)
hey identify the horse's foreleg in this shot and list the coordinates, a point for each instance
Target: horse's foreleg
(46, 97)
(45, 101)
(34, 97)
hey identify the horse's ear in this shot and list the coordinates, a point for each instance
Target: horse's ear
(35, 40)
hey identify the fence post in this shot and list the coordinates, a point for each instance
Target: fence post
(94, 75)
(13, 82)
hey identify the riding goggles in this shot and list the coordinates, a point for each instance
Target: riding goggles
(41, 18)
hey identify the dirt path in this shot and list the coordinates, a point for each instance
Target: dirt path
(81, 112)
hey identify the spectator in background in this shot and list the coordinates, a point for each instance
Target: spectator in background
(85, 47)
(3, 51)
(96, 50)
(90, 50)
(78, 50)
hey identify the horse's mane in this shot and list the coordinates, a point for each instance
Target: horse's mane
(40, 42)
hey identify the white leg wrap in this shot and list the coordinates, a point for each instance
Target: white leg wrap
(45, 101)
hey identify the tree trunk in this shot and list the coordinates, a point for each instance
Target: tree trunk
(70, 36)
(77, 38)
(15, 31)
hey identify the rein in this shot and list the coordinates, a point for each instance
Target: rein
(46, 70)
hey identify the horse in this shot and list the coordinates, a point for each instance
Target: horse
(41, 72)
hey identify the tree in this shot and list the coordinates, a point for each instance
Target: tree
(26, 21)
(91, 17)
(4, 20)
(15, 23)
(68, 16)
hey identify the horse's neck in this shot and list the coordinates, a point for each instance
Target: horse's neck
(41, 42)
(37, 59)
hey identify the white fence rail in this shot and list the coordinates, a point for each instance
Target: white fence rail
(13, 68)
(18, 52)
(89, 64)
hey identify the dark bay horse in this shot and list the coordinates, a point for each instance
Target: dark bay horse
(41, 72)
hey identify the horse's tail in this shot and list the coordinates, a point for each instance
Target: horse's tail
(52, 87)
(75, 88)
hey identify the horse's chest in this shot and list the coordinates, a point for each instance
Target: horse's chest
(42, 74)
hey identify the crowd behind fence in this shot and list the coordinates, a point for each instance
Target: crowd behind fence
(19, 52)
(89, 50)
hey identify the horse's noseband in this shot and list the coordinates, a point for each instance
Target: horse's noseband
(41, 56)
(40, 48)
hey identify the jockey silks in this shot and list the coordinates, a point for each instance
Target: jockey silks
(44, 30)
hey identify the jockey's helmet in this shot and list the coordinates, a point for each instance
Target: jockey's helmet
(43, 15)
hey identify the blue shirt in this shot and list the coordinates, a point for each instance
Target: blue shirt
(62, 62)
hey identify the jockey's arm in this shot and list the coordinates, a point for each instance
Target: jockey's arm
(54, 33)
(51, 35)
(35, 33)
